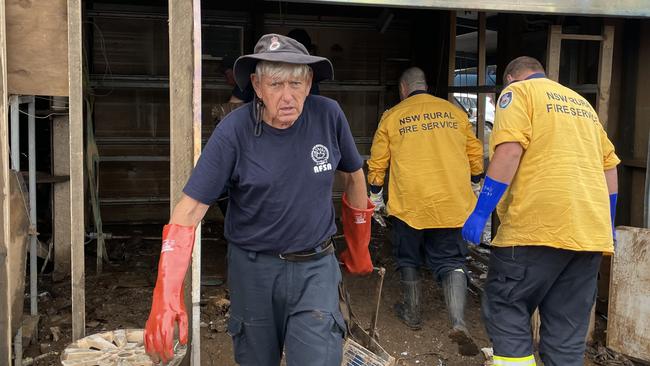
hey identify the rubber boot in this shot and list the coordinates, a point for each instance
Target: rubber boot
(408, 311)
(454, 285)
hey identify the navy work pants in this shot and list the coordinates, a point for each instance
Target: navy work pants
(278, 305)
(443, 250)
(562, 283)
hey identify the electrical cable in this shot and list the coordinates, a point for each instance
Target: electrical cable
(44, 117)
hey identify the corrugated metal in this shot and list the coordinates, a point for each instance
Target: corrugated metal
(624, 8)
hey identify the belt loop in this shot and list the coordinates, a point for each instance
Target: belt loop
(252, 256)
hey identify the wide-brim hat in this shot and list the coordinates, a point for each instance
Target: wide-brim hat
(279, 48)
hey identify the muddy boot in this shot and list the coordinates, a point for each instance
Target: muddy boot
(408, 311)
(454, 285)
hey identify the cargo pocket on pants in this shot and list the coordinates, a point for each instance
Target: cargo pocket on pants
(503, 277)
(334, 353)
(236, 331)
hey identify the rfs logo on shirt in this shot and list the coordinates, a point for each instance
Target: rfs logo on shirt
(320, 155)
(505, 99)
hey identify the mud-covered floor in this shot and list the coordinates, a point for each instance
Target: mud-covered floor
(120, 297)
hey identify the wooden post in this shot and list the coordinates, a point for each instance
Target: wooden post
(605, 73)
(185, 134)
(452, 53)
(553, 52)
(602, 108)
(646, 198)
(480, 73)
(5, 280)
(61, 167)
(76, 169)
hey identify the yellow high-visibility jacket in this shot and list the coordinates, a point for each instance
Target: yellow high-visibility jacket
(559, 196)
(432, 152)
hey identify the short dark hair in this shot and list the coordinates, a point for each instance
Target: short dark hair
(521, 64)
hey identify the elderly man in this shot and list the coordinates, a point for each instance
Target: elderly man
(556, 170)
(432, 153)
(278, 155)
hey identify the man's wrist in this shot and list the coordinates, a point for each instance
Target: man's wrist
(489, 198)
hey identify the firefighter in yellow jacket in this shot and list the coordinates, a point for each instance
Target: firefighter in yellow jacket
(432, 152)
(554, 170)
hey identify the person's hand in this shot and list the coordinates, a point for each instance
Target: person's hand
(168, 305)
(473, 228)
(487, 201)
(377, 199)
(167, 311)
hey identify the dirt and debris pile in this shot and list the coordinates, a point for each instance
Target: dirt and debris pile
(602, 355)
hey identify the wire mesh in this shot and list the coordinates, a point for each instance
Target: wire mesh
(356, 355)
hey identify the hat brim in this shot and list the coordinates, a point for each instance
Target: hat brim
(245, 65)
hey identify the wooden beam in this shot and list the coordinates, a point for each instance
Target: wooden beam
(185, 134)
(5, 274)
(36, 45)
(452, 52)
(646, 196)
(629, 311)
(61, 204)
(480, 98)
(582, 37)
(605, 74)
(553, 52)
(75, 86)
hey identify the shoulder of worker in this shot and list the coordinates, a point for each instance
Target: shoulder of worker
(322, 108)
(420, 100)
(532, 85)
(533, 88)
(517, 91)
(319, 101)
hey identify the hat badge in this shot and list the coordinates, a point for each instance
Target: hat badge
(275, 44)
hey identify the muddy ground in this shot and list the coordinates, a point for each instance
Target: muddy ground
(120, 297)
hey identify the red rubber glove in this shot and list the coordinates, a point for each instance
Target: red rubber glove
(168, 306)
(356, 228)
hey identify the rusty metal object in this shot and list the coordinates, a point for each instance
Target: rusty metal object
(381, 271)
(361, 347)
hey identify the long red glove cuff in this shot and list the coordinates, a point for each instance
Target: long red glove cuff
(356, 229)
(175, 255)
(168, 306)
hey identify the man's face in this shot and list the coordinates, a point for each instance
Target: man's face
(283, 98)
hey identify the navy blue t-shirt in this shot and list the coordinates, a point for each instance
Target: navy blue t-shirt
(280, 182)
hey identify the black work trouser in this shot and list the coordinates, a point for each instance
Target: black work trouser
(562, 283)
(442, 250)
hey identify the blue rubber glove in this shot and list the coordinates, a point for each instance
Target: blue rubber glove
(487, 202)
(612, 213)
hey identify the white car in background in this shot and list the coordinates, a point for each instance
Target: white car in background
(468, 102)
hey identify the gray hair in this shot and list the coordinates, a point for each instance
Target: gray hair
(520, 65)
(414, 79)
(282, 70)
